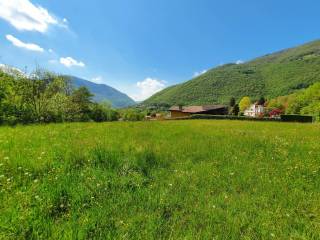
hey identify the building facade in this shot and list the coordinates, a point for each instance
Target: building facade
(254, 110)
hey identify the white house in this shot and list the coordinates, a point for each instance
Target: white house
(254, 110)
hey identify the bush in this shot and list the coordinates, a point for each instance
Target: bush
(297, 118)
(102, 113)
(132, 115)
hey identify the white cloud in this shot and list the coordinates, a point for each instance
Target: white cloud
(239, 62)
(196, 74)
(147, 88)
(97, 79)
(70, 62)
(25, 16)
(50, 51)
(29, 46)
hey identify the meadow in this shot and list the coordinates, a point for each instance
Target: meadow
(197, 179)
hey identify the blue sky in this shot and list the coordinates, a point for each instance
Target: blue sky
(142, 46)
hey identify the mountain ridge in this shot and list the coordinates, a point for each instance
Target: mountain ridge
(104, 92)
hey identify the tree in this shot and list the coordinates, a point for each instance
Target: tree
(312, 109)
(261, 101)
(281, 102)
(244, 104)
(232, 102)
(82, 99)
(14, 108)
(132, 115)
(47, 97)
(235, 110)
(306, 102)
(103, 112)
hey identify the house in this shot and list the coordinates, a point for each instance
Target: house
(180, 111)
(255, 110)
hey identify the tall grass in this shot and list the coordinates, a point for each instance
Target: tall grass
(197, 179)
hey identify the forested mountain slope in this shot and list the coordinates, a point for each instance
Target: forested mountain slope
(270, 76)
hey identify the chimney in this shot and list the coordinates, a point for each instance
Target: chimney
(180, 107)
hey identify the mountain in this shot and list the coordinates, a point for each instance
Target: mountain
(104, 92)
(11, 70)
(270, 76)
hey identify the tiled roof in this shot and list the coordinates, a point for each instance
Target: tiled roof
(196, 109)
(174, 108)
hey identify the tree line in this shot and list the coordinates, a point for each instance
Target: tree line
(45, 97)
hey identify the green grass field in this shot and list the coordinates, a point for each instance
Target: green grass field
(196, 179)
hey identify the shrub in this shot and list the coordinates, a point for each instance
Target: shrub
(103, 113)
(132, 115)
(275, 112)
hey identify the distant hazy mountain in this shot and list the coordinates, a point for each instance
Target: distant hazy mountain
(270, 76)
(104, 92)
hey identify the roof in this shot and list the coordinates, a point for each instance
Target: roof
(197, 109)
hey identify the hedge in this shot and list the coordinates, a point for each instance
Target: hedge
(229, 117)
(284, 118)
(297, 118)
